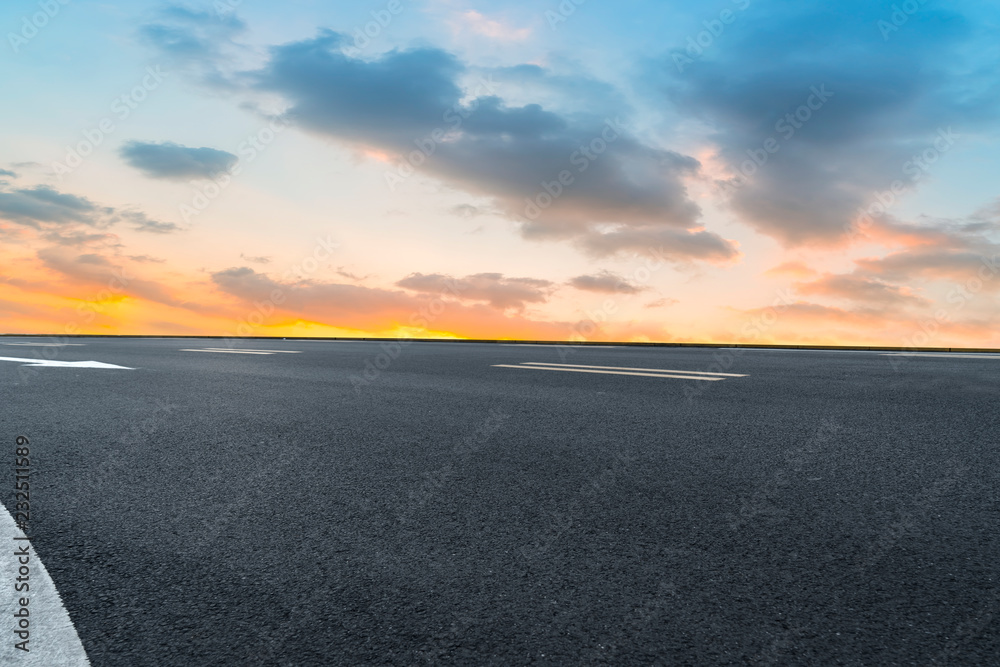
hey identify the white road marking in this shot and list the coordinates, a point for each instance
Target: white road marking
(576, 347)
(47, 344)
(623, 368)
(52, 639)
(240, 349)
(588, 370)
(227, 351)
(948, 355)
(64, 364)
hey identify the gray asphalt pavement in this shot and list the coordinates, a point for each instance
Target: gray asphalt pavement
(468, 504)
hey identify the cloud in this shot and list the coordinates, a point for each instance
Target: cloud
(410, 105)
(143, 223)
(8, 173)
(67, 219)
(479, 24)
(467, 211)
(493, 288)
(661, 303)
(261, 259)
(199, 43)
(380, 310)
(173, 161)
(885, 104)
(605, 282)
(935, 263)
(792, 269)
(41, 205)
(665, 244)
(862, 289)
(96, 271)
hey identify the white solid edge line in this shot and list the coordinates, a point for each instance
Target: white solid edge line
(52, 639)
(585, 370)
(624, 368)
(226, 351)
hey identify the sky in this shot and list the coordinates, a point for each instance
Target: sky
(732, 171)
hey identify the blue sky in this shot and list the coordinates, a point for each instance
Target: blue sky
(714, 158)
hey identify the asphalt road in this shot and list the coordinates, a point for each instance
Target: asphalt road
(208, 508)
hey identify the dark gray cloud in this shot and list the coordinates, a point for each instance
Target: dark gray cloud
(410, 104)
(666, 244)
(40, 205)
(70, 220)
(889, 101)
(605, 282)
(176, 162)
(492, 288)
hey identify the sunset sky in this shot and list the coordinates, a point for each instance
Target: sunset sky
(734, 171)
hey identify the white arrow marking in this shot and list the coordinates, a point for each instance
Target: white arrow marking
(64, 364)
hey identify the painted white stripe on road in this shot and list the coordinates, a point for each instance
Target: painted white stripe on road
(52, 639)
(575, 347)
(47, 344)
(226, 351)
(43, 363)
(623, 368)
(588, 370)
(947, 355)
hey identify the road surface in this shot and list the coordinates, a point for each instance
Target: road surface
(323, 502)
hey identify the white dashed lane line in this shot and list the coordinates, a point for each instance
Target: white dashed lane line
(228, 351)
(618, 370)
(621, 368)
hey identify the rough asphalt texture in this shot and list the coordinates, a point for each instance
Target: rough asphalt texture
(220, 509)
